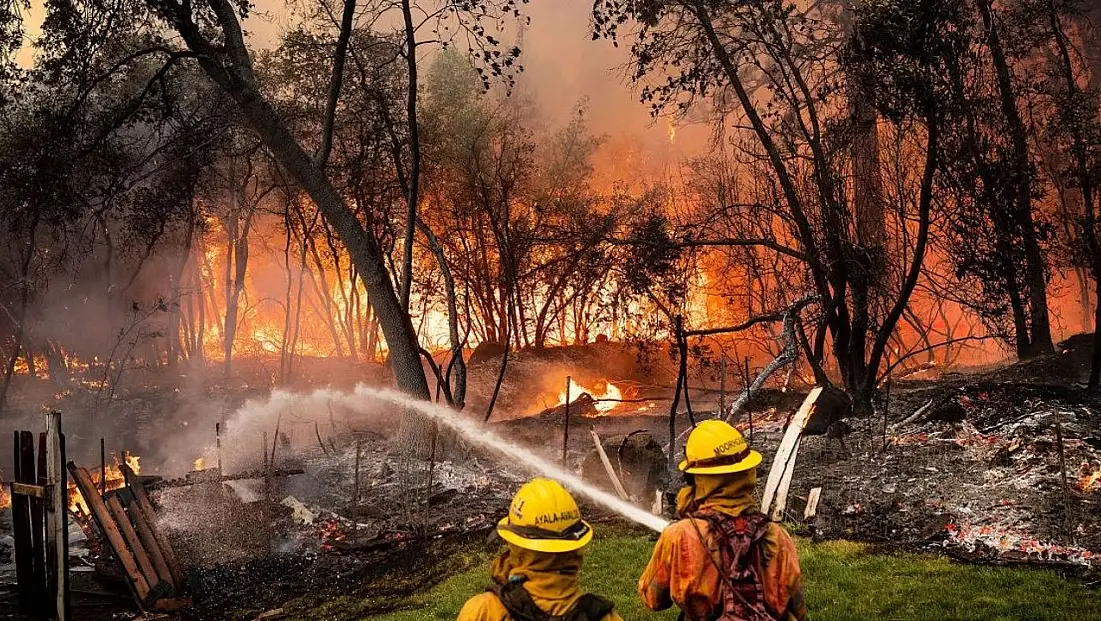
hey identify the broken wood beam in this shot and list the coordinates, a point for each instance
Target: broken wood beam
(143, 504)
(812, 503)
(774, 499)
(102, 516)
(918, 413)
(151, 545)
(145, 564)
(26, 489)
(622, 493)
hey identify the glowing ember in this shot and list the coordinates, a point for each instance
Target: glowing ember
(610, 391)
(1090, 480)
(199, 465)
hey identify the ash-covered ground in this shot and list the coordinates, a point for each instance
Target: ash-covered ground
(977, 472)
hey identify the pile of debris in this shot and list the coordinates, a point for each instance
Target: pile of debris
(987, 471)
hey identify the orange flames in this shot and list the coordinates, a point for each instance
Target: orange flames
(5, 498)
(199, 465)
(609, 391)
(115, 480)
(40, 371)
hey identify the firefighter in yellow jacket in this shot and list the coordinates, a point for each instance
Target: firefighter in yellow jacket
(724, 560)
(536, 578)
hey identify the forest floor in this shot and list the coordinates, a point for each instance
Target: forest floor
(978, 477)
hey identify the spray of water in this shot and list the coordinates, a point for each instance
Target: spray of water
(481, 436)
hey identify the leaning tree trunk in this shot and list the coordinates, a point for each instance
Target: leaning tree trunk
(229, 66)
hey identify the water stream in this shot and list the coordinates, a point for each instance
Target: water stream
(478, 434)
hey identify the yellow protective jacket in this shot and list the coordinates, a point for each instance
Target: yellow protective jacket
(681, 573)
(552, 581)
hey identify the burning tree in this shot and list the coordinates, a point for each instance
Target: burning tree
(775, 66)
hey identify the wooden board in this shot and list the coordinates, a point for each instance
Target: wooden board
(110, 530)
(774, 498)
(152, 547)
(812, 503)
(24, 489)
(150, 517)
(29, 475)
(57, 520)
(63, 499)
(38, 520)
(21, 530)
(608, 466)
(136, 548)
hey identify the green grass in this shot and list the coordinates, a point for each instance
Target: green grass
(843, 581)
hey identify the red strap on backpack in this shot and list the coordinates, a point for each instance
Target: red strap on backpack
(739, 540)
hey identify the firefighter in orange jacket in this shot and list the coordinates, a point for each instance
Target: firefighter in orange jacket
(536, 579)
(724, 560)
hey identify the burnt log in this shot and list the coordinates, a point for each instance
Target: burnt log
(636, 458)
(584, 406)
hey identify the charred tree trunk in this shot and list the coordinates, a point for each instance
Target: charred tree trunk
(1085, 178)
(413, 190)
(24, 303)
(235, 284)
(1040, 341)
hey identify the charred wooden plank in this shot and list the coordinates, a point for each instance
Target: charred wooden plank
(31, 468)
(110, 530)
(21, 529)
(151, 545)
(57, 520)
(157, 587)
(146, 507)
(32, 491)
(774, 499)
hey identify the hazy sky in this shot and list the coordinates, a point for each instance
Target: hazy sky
(563, 66)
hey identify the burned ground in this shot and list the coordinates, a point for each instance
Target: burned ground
(976, 475)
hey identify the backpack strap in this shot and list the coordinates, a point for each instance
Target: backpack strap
(591, 608)
(517, 601)
(739, 542)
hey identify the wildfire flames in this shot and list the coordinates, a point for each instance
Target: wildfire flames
(21, 367)
(610, 391)
(115, 480)
(5, 498)
(199, 465)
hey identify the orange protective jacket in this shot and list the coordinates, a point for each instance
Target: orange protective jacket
(552, 581)
(681, 573)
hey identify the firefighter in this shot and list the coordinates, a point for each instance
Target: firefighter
(724, 560)
(536, 578)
